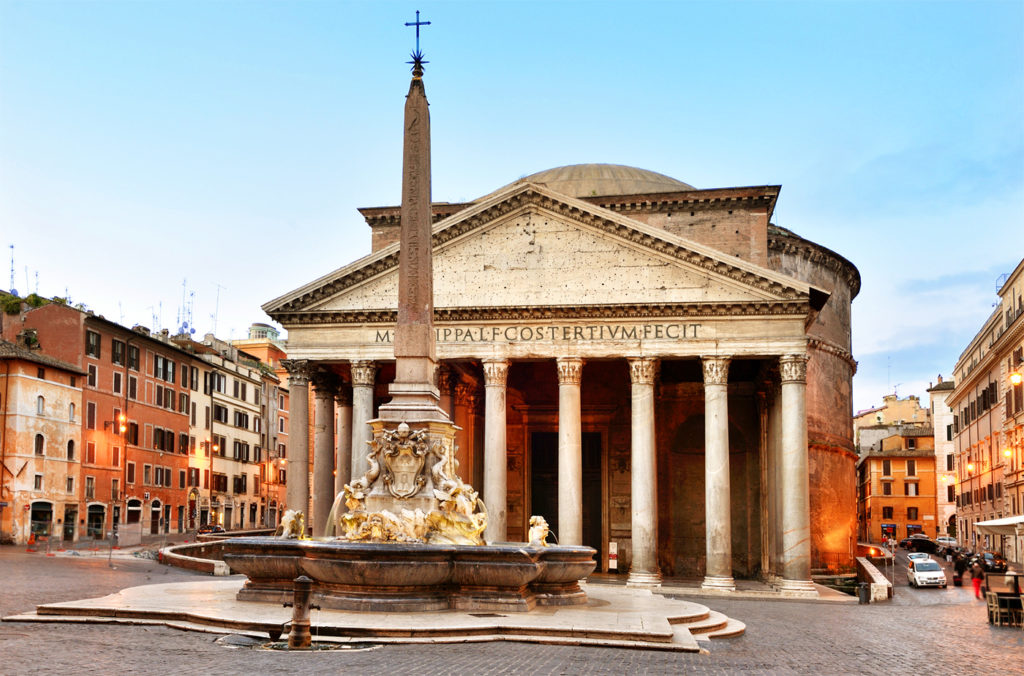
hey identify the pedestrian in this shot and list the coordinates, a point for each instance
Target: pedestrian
(977, 575)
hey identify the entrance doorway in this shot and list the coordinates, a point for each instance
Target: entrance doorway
(94, 522)
(42, 517)
(70, 521)
(154, 518)
(544, 484)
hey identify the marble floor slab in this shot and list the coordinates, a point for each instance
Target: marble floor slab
(614, 616)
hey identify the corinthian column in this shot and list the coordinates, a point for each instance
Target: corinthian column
(796, 520)
(570, 452)
(363, 376)
(297, 493)
(495, 473)
(325, 384)
(643, 570)
(717, 514)
(343, 459)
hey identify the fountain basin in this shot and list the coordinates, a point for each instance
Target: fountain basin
(396, 577)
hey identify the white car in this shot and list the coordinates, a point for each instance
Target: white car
(919, 556)
(946, 541)
(926, 574)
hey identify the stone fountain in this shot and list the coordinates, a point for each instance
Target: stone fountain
(408, 534)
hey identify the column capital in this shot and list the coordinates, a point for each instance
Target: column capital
(364, 373)
(495, 372)
(299, 371)
(444, 378)
(716, 370)
(343, 395)
(325, 383)
(642, 370)
(465, 394)
(793, 368)
(570, 370)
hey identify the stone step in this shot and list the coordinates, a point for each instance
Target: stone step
(712, 622)
(732, 628)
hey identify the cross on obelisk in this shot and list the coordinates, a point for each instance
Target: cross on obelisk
(413, 391)
(417, 23)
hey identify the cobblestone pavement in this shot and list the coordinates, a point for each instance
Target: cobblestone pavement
(922, 631)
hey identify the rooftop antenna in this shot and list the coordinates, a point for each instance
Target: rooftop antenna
(37, 282)
(27, 285)
(216, 308)
(12, 289)
(120, 311)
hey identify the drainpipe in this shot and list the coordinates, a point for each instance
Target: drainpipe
(3, 437)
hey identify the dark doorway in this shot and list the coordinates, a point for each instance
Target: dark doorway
(544, 484)
(70, 521)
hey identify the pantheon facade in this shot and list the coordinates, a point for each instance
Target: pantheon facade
(658, 370)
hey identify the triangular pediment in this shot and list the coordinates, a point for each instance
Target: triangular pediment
(530, 247)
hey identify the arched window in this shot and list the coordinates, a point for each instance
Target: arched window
(39, 443)
(71, 412)
(40, 405)
(71, 448)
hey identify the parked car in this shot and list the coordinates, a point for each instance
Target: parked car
(918, 556)
(922, 544)
(210, 528)
(992, 562)
(926, 574)
(946, 541)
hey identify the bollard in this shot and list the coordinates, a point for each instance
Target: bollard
(300, 638)
(864, 592)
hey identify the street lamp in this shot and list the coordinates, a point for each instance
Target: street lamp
(1016, 378)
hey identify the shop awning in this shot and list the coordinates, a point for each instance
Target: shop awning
(1011, 525)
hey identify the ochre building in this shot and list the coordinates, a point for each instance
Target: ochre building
(655, 366)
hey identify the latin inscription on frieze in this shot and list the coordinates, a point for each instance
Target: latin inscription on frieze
(517, 333)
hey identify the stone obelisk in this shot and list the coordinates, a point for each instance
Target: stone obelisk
(414, 394)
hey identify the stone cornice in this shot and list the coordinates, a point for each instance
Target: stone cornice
(827, 347)
(524, 198)
(784, 242)
(547, 312)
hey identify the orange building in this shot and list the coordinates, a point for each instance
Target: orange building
(896, 487)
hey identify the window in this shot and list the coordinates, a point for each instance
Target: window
(133, 357)
(41, 373)
(206, 478)
(133, 433)
(115, 489)
(911, 468)
(158, 475)
(910, 488)
(117, 352)
(92, 344)
(949, 462)
(37, 484)
(192, 418)
(887, 468)
(949, 432)
(183, 443)
(117, 383)
(40, 405)
(71, 412)
(281, 451)
(71, 449)
(90, 488)
(115, 456)
(40, 442)
(182, 402)
(911, 443)
(886, 488)
(69, 485)
(90, 453)
(167, 477)
(886, 512)
(280, 425)
(193, 476)
(220, 444)
(220, 413)
(912, 513)
(133, 387)
(181, 478)
(184, 375)
(241, 420)
(130, 473)
(92, 375)
(90, 415)
(950, 491)
(195, 378)
(147, 474)
(280, 403)
(282, 477)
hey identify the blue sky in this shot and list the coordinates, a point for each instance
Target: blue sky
(229, 144)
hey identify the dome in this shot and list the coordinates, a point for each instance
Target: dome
(587, 180)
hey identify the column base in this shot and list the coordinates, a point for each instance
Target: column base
(801, 588)
(718, 583)
(640, 579)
